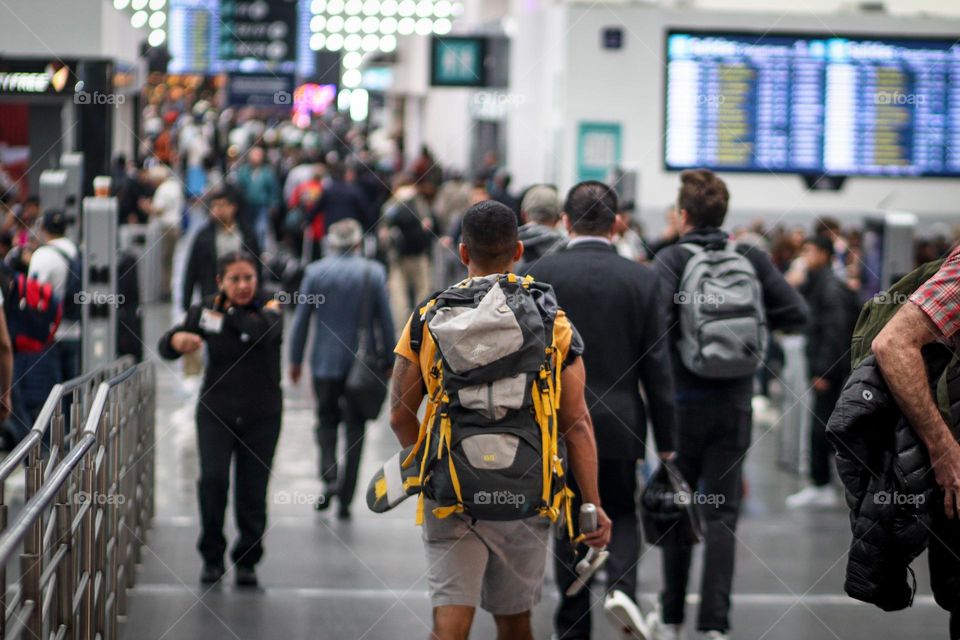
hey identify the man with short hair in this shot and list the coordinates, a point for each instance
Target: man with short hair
(540, 235)
(828, 361)
(52, 263)
(714, 416)
(341, 200)
(335, 291)
(614, 302)
(932, 314)
(498, 565)
(223, 233)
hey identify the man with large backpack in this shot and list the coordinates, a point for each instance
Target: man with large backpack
(499, 438)
(931, 314)
(614, 303)
(721, 301)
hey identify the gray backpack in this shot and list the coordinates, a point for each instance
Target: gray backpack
(723, 323)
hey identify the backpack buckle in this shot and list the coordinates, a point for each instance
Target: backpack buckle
(543, 380)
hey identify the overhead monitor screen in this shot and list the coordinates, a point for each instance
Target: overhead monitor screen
(812, 104)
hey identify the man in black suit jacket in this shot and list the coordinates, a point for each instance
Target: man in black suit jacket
(614, 304)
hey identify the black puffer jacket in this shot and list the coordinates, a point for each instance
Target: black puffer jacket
(890, 488)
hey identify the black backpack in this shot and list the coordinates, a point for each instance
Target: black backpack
(32, 309)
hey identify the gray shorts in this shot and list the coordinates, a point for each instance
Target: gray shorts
(498, 566)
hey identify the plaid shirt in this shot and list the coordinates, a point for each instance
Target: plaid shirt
(939, 297)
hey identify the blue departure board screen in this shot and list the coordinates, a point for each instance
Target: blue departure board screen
(214, 36)
(835, 105)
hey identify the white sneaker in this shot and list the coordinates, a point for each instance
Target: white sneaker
(659, 630)
(824, 497)
(625, 616)
(716, 635)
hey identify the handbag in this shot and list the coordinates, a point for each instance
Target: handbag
(366, 385)
(669, 510)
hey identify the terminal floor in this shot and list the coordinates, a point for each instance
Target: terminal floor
(363, 579)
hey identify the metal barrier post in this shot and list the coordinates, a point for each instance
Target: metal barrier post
(100, 526)
(32, 550)
(88, 570)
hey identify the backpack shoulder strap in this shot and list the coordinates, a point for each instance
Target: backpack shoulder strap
(692, 247)
(417, 319)
(62, 253)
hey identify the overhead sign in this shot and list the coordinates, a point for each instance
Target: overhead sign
(261, 90)
(265, 30)
(457, 61)
(33, 77)
(598, 149)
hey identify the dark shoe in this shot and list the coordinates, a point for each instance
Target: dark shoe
(246, 576)
(324, 502)
(211, 573)
(343, 513)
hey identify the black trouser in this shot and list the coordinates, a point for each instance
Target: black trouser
(332, 409)
(944, 558)
(618, 491)
(712, 441)
(820, 448)
(250, 445)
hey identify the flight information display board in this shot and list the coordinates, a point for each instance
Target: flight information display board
(215, 36)
(812, 104)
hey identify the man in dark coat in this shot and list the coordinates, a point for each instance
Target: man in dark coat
(614, 303)
(222, 234)
(828, 360)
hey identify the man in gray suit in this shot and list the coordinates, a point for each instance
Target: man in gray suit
(332, 295)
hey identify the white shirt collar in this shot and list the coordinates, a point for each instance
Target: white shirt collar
(582, 239)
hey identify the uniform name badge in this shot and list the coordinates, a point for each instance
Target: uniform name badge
(211, 321)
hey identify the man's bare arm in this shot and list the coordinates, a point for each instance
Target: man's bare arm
(576, 427)
(406, 393)
(897, 349)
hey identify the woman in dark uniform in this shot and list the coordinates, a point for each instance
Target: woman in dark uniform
(238, 416)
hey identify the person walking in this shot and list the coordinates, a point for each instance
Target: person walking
(739, 289)
(497, 564)
(165, 209)
(238, 413)
(622, 324)
(540, 233)
(828, 360)
(257, 181)
(335, 295)
(223, 233)
(411, 226)
(57, 262)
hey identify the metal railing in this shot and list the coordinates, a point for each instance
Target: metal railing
(89, 468)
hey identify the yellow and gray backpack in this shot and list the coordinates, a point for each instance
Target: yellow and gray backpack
(488, 445)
